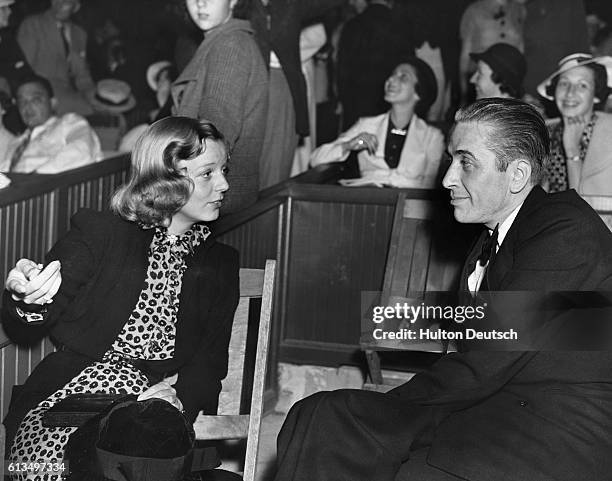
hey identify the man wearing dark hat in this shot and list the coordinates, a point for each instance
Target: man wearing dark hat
(499, 72)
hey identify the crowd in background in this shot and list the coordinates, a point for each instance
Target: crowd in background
(281, 78)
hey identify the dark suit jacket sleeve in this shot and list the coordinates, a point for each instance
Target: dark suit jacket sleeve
(556, 251)
(199, 380)
(78, 253)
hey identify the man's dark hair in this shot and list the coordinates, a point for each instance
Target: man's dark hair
(520, 132)
(32, 78)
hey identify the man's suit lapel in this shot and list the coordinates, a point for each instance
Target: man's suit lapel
(504, 259)
(502, 262)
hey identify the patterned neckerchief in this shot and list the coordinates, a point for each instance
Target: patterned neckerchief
(179, 245)
(150, 332)
(557, 167)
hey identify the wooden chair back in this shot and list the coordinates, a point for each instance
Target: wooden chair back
(231, 422)
(423, 261)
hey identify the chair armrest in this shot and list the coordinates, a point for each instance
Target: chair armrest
(208, 427)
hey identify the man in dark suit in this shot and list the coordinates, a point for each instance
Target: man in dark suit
(482, 414)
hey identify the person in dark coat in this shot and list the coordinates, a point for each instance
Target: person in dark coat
(525, 410)
(132, 296)
(13, 65)
(277, 25)
(370, 47)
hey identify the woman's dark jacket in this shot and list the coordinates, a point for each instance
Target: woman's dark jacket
(104, 265)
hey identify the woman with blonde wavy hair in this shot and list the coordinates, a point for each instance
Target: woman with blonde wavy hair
(131, 296)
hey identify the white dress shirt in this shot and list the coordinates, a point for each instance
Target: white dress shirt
(61, 143)
(476, 277)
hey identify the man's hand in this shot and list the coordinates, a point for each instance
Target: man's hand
(28, 282)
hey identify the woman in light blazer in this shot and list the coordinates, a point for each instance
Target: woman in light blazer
(397, 148)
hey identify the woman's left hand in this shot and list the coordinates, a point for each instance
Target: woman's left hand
(162, 390)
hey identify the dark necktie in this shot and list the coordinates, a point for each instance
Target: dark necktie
(16, 157)
(489, 247)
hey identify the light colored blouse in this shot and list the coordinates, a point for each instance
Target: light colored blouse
(419, 164)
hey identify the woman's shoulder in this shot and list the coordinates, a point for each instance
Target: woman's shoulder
(235, 33)
(604, 119)
(100, 221)
(225, 253)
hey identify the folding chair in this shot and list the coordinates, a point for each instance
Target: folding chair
(230, 422)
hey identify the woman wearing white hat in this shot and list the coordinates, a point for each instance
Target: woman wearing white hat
(581, 140)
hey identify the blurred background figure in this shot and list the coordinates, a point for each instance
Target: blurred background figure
(6, 137)
(312, 39)
(56, 49)
(485, 23)
(52, 143)
(500, 71)
(160, 76)
(12, 60)
(370, 46)
(397, 148)
(277, 25)
(581, 139)
(553, 29)
(12, 64)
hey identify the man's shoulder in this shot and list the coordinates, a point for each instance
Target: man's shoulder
(72, 120)
(551, 214)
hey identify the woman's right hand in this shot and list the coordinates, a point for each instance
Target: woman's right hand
(573, 127)
(28, 282)
(362, 141)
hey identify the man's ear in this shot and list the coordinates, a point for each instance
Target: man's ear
(54, 104)
(520, 171)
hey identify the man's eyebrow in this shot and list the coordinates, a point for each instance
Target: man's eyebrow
(465, 153)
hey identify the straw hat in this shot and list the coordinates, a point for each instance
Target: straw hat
(113, 96)
(154, 70)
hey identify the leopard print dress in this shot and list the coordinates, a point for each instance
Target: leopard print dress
(149, 334)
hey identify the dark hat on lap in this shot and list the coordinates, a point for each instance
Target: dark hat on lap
(137, 441)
